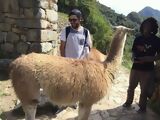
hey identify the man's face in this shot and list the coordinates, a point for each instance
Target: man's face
(147, 28)
(74, 21)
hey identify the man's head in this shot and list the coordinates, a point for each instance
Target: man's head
(75, 17)
(149, 26)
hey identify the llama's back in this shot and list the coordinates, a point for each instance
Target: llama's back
(96, 55)
(27, 75)
(65, 81)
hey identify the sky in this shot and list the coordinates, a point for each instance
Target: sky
(126, 6)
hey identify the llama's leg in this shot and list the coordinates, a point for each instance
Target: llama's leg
(30, 111)
(84, 111)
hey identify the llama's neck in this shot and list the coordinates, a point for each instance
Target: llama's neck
(115, 55)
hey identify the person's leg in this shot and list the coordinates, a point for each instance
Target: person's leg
(144, 85)
(151, 85)
(133, 82)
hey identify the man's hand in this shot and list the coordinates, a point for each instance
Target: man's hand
(62, 48)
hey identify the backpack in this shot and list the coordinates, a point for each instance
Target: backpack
(68, 28)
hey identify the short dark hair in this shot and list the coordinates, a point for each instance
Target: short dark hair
(153, 23)
(76, 12)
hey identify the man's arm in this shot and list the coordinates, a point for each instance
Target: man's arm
(62, 48)
(149, 58)
(157, 57)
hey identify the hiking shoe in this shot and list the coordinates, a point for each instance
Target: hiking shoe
(141, 111)
(126, 105)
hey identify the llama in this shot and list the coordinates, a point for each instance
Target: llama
(66, 81)
(96, 55)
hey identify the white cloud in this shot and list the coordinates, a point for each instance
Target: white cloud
(127, 6)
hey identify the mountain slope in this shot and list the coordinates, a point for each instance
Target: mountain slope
(150, 12)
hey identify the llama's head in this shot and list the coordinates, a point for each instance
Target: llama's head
(116, 50)
(120, 27)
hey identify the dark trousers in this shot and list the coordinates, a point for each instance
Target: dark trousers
(145, 79)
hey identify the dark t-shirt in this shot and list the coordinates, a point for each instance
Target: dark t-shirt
(145, 47)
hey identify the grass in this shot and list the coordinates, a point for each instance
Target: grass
(3, 94)
(2, 116)
(63, 16)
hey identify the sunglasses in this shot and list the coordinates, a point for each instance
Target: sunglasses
(74, 20)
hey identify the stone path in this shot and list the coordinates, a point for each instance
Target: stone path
(108, 108)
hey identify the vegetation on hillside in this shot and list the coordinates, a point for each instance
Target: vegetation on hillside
(93, 20)
(99, 19)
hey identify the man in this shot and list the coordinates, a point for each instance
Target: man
(146, 50)
(77, 42)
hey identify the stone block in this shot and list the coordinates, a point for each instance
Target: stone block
(40, 14)
(3, 36)
(22, 47)
(2, 18)
(28, 13)
(10, 15)
(45, 4)
(27, 3)
(55, 1)
(12, 37)
(33, 35)
(52, 16)
(4, 5)
(5, 27)
(48, 35)
(35, 47)
(23, 38)
(9, 6)
(54, 26)
(42, 35)
(55, 44)
(14, 5)
(7, 47)
(4, 65)
(33, 23)
(54, 51)
(41, 47)
(10, 21)
(46, 47)
(35, 13)
(16, 30)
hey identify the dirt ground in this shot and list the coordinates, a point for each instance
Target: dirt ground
(110, 108)
(7, 95)
(9, 103)
(8, 98)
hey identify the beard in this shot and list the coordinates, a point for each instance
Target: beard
(75, 26)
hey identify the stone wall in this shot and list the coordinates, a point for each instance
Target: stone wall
(28, 26)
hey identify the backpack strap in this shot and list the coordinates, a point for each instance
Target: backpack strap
(85, 32)
(67, 31)
(86, 35)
